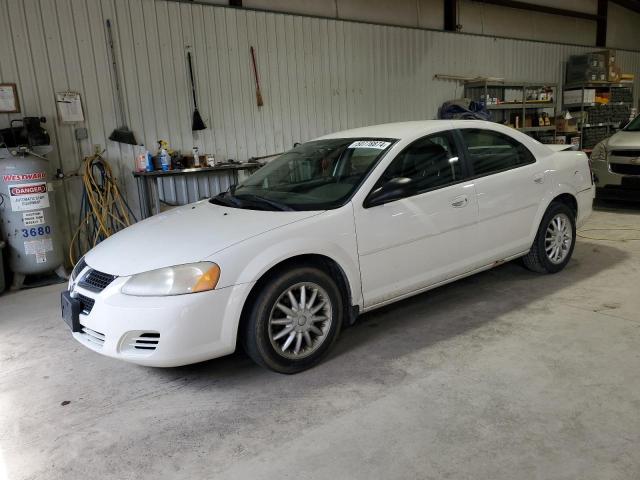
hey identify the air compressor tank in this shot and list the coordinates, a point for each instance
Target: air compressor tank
(27, 211)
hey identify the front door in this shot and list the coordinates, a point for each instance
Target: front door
(427, 235)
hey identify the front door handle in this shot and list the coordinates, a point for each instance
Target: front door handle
(538, 178)
(460, 201)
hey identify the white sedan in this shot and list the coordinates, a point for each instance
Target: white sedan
(335, 227)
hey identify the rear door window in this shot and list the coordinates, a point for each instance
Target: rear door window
(491, 152)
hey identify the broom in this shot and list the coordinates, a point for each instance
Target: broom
(122, 134)
(196, 123)
(255, 74)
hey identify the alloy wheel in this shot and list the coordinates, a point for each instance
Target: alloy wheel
(300, 320)
(558, 238)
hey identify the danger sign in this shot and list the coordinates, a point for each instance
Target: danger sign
(28, 190)
(28, 196)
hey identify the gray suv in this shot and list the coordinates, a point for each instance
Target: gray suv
(616, 164)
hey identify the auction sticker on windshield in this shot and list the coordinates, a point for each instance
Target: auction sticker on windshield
(379, 144)
(28, 196)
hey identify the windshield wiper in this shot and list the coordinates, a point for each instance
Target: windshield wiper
(225, 200)
(258, 199)
(242, 201)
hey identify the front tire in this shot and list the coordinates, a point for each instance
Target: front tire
(294, 320)
(554, 242)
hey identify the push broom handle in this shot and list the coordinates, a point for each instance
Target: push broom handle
(255, 69)
(255, 74)
(115, 74)
(193, 84)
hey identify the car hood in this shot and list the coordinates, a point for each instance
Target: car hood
(185, 234)
(623, 140)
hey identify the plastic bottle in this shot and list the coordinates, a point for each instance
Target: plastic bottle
(196, 158)
(165, 160)
(141, 159)
(149, 161)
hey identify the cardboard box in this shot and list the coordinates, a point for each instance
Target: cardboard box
(590, 67)
(550, 139)
(512, 95)
(566, 125)
(573, 97)
(613, 71)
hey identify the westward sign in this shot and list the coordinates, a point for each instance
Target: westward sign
(24, 176)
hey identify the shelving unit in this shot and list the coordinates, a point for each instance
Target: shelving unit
(518, 99)
(591, 132)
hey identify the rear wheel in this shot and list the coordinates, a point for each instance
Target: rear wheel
(554, 242)
(294, 320)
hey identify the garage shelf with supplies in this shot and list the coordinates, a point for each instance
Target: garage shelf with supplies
(179, 187)
(599, 109)
(526, 106)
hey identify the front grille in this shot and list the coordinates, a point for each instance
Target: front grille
(92, 336)
(625, 153)
(625, 168)
(96, 281)
(631, 182)
(86, 303)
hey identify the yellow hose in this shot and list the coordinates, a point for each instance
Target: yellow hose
(107, 209)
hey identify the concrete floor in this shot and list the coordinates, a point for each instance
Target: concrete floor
(505, 375)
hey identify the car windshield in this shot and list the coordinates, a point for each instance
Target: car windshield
(317, 175)
(634, 125)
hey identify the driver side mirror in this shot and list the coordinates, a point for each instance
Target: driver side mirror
(394, 189)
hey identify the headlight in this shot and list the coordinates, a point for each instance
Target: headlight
(77, 269)
(178, 280)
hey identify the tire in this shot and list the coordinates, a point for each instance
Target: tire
(273, 318)
(543, 256)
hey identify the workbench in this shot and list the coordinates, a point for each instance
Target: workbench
(180, 187)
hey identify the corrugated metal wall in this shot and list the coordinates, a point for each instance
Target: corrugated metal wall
(317, 75)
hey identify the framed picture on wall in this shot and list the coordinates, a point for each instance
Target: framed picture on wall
(9, 102)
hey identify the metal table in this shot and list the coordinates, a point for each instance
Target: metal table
(180, 187)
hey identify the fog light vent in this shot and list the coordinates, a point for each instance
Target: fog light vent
(139, 342)
(146, 341)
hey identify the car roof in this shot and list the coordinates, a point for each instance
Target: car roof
(397, 130)
(409, 131)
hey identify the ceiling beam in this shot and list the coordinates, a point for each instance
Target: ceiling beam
(451, 15)
(633, 5)
(601, 23)
(541, 8)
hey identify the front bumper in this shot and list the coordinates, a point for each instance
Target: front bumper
(161, 331)
(615, 186)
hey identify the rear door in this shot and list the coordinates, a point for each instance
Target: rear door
(510, 185)
(428, 235)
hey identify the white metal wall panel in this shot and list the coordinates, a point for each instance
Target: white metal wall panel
(317, 75)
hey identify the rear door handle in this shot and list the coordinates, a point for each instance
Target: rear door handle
(538, 178)
(460, 201)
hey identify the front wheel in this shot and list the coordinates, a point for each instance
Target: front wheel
(554, 242)
(294, 320)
